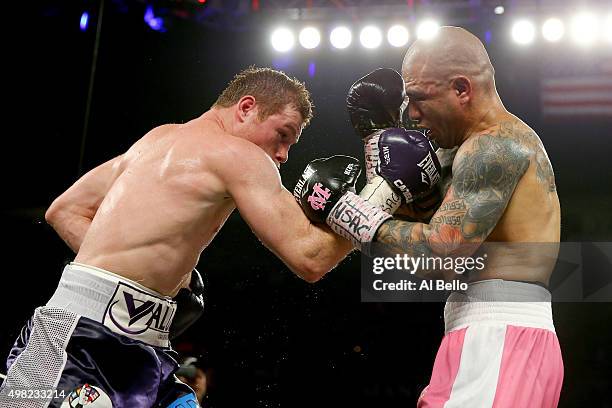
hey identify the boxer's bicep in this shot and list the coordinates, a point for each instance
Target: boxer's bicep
(86, 194)
(485, 173)
(278, 221)
(269, 209)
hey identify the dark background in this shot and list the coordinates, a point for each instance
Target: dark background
(270, 338)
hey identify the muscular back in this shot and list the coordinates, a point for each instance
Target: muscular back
(533, 213)
(523, 244)
(163, 207)
(511, 158)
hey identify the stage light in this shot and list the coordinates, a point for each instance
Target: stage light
(341, 37)
(398, 36)
(282, 39)
(553, 29)
(523, 32)
(370, 37)
(312, 69)
(585, 28)
(156, 23)
(499, 10)
(427, 30)
(309, 38)
(84, 21)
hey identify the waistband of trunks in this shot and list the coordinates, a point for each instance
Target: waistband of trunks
(497, 301)
(122, 305)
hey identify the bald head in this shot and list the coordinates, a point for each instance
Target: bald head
(453, 52)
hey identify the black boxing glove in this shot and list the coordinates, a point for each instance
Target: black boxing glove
(189, 305)
(375, 102)
(322, 184)
(326, 193)
(408, 162)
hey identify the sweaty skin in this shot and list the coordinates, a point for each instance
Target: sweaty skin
(149, 213)
(503, 189)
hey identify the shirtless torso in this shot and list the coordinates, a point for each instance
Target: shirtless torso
(148, 214)
(165, 205)
(523, 245)
(502, 200)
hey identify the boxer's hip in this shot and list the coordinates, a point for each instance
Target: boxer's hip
(500, 349)
(123, 306)
(64, 355)
(497, 301)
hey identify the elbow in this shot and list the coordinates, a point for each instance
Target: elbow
(52, 213)
(57, 212)
(312, 271)
(311, 278)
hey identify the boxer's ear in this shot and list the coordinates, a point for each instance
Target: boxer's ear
(463, 88)
(247, 105)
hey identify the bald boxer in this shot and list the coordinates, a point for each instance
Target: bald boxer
(138, 224)
(500, 348)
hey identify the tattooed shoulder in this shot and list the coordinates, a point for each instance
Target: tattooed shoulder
(528, 138)
(486, 171)
(544, 171)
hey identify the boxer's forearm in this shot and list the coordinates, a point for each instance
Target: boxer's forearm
(70, 227)
(419, 240)
(319, 250)
(71, 213)
(313, 251)
(404, 237)
(409, 238)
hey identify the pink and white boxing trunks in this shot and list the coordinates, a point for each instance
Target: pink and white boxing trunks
(500, 349)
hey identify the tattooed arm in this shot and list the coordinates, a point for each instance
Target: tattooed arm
(486, 170)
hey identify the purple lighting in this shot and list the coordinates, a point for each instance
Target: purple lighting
(84, 21)
(156, 23)
(282, 62)
(312, 69)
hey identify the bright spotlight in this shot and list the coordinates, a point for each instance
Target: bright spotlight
(523, 32)
(310, 37)
(341, 37)
(499, 10)
(370, 37)
(398, 36)
(282, 39)
(553, 29)
(427, 30)
(585, 28)
(84, 20)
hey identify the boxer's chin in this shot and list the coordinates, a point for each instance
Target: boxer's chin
(439, 141)
(432, 136)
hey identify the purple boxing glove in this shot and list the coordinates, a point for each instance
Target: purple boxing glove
(408, 162)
